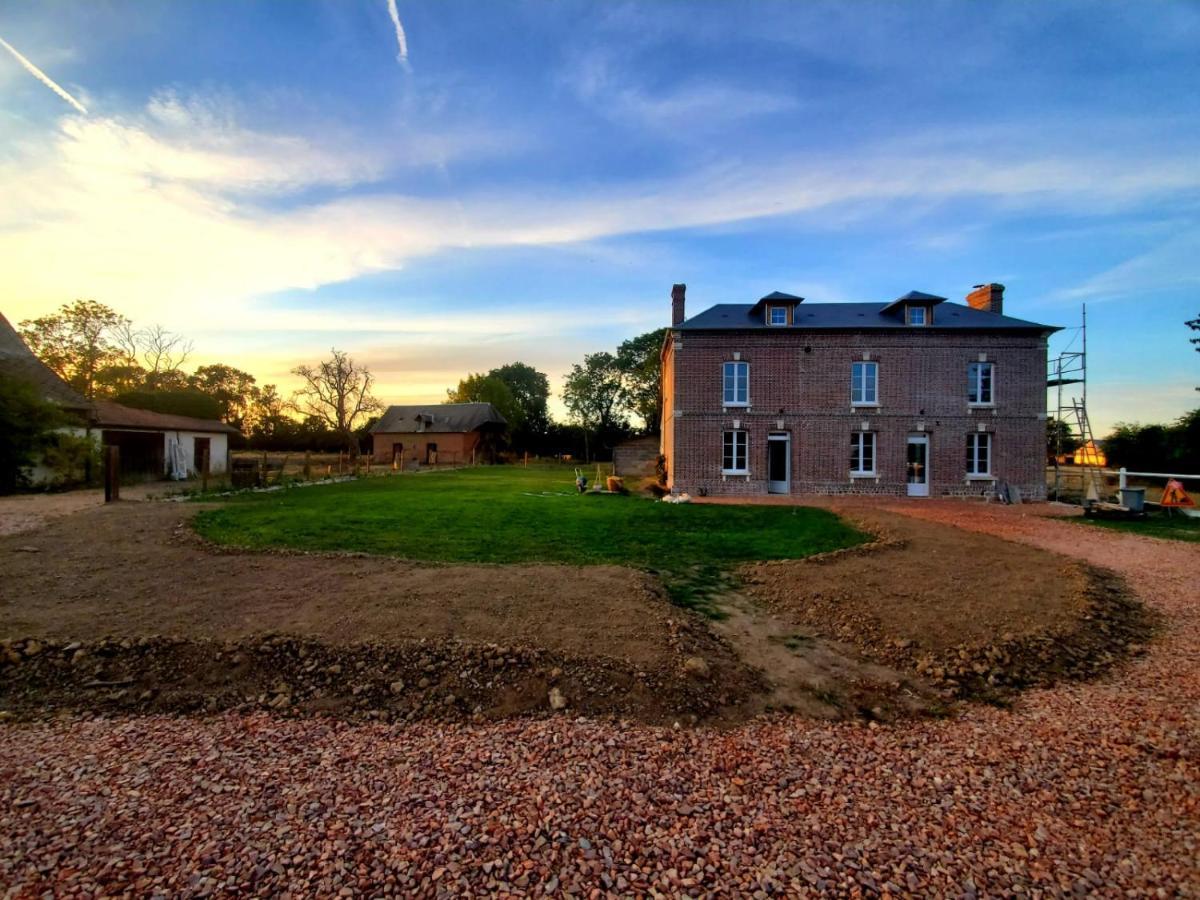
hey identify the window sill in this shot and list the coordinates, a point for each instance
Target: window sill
(981, 477)
(854, 405)
(864, 474)
(735, 405)
(735, 471)
(981, 406)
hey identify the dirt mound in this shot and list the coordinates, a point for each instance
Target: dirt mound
(969, 613)
(445, 680)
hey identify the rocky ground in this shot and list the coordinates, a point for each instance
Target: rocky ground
(1083, 788)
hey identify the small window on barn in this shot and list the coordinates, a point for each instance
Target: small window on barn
(777, 315)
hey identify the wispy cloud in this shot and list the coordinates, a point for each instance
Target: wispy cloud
(401, 38)
(182, 206)
(43, 77)
(1172, 265)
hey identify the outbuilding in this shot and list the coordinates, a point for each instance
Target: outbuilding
(153, 443)
(437, 434)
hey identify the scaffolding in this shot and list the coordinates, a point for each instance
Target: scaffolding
(1067, 369)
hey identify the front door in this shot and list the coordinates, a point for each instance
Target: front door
(918, 465)
(779, 463)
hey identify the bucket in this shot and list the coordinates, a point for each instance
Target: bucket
(1133, 499)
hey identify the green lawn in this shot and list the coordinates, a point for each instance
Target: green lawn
(488, 515)
(1176, 527)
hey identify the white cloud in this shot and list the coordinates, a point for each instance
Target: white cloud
(182, 210)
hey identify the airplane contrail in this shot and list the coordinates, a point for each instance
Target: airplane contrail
(401, 40)
(42, 76)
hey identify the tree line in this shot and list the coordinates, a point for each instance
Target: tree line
(609, 397)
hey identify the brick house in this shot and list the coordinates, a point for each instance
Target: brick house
(918, 397)
(440, 433)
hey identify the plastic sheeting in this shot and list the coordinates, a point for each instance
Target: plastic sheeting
(176, 460)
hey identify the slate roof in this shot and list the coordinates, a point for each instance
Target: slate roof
(440, 418)
(17, 361)
(856, 317)
(114, 415)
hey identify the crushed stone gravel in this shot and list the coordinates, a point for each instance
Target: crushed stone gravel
(1080, 789)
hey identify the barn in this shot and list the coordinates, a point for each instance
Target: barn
(151, 444)
(437, 434)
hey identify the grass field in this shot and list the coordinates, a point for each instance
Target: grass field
(508, 514)
(1176, 527)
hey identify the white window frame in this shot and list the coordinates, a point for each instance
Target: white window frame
(862, 388)
(923, 310)
(731, 436)
(725, 369)
(771, 310)
(974, 441)
(975, 383)
(859, 440)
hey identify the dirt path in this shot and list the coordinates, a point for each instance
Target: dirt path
(1083, 789)
(814, 676)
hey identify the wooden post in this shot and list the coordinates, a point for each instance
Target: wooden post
(527, 459)
(112, 474)
(308, 465)
(204, 472)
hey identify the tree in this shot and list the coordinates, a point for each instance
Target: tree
(27, 424)
(160, 354)
(184, 402)
(477, 388)
(232, 388)
(336, 391)
(639, 359)
(1056, 431)
(531, 390)
(78, 341)
(268, 412)
(593, 395)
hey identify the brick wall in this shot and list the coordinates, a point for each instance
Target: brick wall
(452, 447)
(800, 385)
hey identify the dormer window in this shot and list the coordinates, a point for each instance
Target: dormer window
(918, 315)
(777, 315)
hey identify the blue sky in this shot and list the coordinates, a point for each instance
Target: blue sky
(272, 180)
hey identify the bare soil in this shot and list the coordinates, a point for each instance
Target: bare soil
(123, 608)
(967, 611)
(135, 572)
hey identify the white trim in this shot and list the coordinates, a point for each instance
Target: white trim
(771, 316)
(724, 368)
(866, 366)
(858, 442)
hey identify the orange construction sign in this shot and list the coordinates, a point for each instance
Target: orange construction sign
(1175, 495)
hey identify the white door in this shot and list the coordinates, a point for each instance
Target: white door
(917, 469)
(779, 463)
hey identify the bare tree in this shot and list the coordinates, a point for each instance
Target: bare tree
(338, 392)
(157, 353)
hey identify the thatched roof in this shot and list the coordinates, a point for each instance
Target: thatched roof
(439, 417)
(17, 361)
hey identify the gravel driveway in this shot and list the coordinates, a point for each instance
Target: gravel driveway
(1086, 788)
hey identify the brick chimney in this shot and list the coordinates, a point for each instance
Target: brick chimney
(988, 297)
(677, 292)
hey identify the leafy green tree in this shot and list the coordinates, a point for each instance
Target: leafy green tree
(233, 389)
(78, 341)
(27, 424)
(593, 394)
(531, 390)
(186, 402)
(478, 388)
(639, 359)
